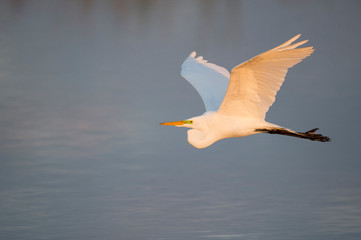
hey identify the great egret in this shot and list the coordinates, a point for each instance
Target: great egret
(252, 86)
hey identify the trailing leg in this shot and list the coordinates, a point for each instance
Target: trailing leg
(310, 135)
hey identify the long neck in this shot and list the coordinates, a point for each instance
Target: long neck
(202, 133)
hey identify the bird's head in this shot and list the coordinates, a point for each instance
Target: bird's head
(200, 135)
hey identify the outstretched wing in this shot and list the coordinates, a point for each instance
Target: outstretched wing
(208, 79)
(254, 84)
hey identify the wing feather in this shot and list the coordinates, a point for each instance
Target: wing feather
(208, 79)
(254, 84)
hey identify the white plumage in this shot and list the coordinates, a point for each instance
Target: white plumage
(236, 103)
(208, 79)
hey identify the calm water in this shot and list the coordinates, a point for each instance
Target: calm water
(84, 84)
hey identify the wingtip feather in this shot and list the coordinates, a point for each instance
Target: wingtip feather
(293, 46)
(288, 42)
(295, 38)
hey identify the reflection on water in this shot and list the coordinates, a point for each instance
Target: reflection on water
(84, 84)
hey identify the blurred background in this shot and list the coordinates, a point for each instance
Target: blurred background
(84, 85)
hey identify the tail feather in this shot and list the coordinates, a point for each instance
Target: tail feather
(310, 135)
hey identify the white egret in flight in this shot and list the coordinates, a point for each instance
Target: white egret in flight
(240, 109)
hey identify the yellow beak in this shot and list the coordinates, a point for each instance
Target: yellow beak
(177, 123)
(173, 123)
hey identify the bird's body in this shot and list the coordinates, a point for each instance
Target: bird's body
(212, 126)
(236, 103)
